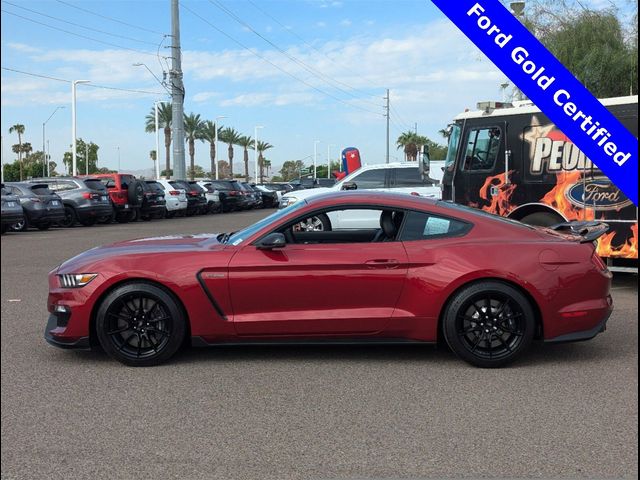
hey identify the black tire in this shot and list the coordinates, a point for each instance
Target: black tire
(317, 223)
(542, 219)
(88, 222)
(135, 193)
(169, 214)
(4, 228)
(43, 226)
(106, 220)
(70, 217)
(140, 325)
(489, 324)
(21, 226)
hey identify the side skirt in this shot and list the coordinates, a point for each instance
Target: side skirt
(197, 341)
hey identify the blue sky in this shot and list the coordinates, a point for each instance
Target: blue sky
(344, 54)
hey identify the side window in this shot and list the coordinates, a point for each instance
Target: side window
(109, 183)
(423, 226)
(370, 179)
(482, 150)
(408, 177)
(66, 185)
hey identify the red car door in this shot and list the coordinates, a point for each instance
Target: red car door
(313, 289)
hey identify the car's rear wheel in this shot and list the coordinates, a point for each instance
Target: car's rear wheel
(140, 325)
(43, 226)
(70, 218)
(489, 324)
(88, 222)
(21, 226)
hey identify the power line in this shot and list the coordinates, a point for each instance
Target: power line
(77, 34)
(110, 18)
(92, 85)
(400, 119)
(310, 69)
(275, 65)
(80, 26)
(291, 32)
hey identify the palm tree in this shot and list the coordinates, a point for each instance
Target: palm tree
(409, 140)
(165, 114)
(231, 137)
(19, 129)
(208, 134)
(192, 131)
(246, 142)
(267, 165)
(262, 146)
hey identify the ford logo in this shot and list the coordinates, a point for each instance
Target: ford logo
(598, 193)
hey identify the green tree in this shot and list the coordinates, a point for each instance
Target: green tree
(245, 142)
(592, 44)
(165, 114)
(408, 141)
(291, 169)
(18, 128)
(262, 147)
(192, 131)
(231, 137)
(208, 134)
(82, 149)
(196, 172)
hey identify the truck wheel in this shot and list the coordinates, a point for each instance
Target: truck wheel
(542, 219)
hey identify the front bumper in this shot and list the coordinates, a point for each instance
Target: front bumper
(69, 343)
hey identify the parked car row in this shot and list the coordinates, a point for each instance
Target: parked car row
(106, 198)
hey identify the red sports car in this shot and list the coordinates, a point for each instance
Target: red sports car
(384, 268)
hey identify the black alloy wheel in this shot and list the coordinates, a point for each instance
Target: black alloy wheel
(489, 324)
(70, 217)
(140, 324)
(20, 226)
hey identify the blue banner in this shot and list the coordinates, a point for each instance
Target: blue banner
(551, 87)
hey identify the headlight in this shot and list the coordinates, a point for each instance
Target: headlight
(76, 280)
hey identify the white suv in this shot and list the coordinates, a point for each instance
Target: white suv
(387, 177)
(176, 199)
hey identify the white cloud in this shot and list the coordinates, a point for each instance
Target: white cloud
(346, 22)
(321, 24)
(21, 47)
(205, 96)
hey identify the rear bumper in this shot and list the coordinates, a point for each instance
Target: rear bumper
(45, 216)
(94, 211)
(11, 217)
(592, 322)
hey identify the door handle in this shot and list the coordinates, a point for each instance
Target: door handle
(382, 263)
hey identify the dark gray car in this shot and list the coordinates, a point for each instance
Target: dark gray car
(42, 208)
(85, 200)
(11, 209)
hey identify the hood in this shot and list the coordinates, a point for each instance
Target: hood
(152, 245)
(300, 194)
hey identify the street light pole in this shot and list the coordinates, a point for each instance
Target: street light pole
(315, 158)
(155, 104)
(118, 158)
(74, 166)
(48, 160)
(44, 153)
(255, 152)
(329, 159)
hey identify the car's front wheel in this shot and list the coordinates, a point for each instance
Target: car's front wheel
(140, 325)
(489, 324)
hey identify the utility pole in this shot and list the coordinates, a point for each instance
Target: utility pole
(177, 95)
(416, 128)
(387, 115)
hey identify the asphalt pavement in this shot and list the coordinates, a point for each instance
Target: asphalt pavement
(299, 412)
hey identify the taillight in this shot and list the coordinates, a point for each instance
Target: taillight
(598, 262)
(174, 193)
(233, 193)
(86, 195)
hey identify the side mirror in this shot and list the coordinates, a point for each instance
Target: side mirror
(425, 163)
(349, 186)
(271, 241)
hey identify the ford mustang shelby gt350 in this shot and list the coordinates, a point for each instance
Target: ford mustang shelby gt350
(408, 269)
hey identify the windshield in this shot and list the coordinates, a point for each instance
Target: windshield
(454, 140)
(238, 237)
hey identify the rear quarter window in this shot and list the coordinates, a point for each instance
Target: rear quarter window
(425, 226)
(41, 190)
(95, 184)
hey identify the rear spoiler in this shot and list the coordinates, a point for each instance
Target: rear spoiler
(589, 231)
